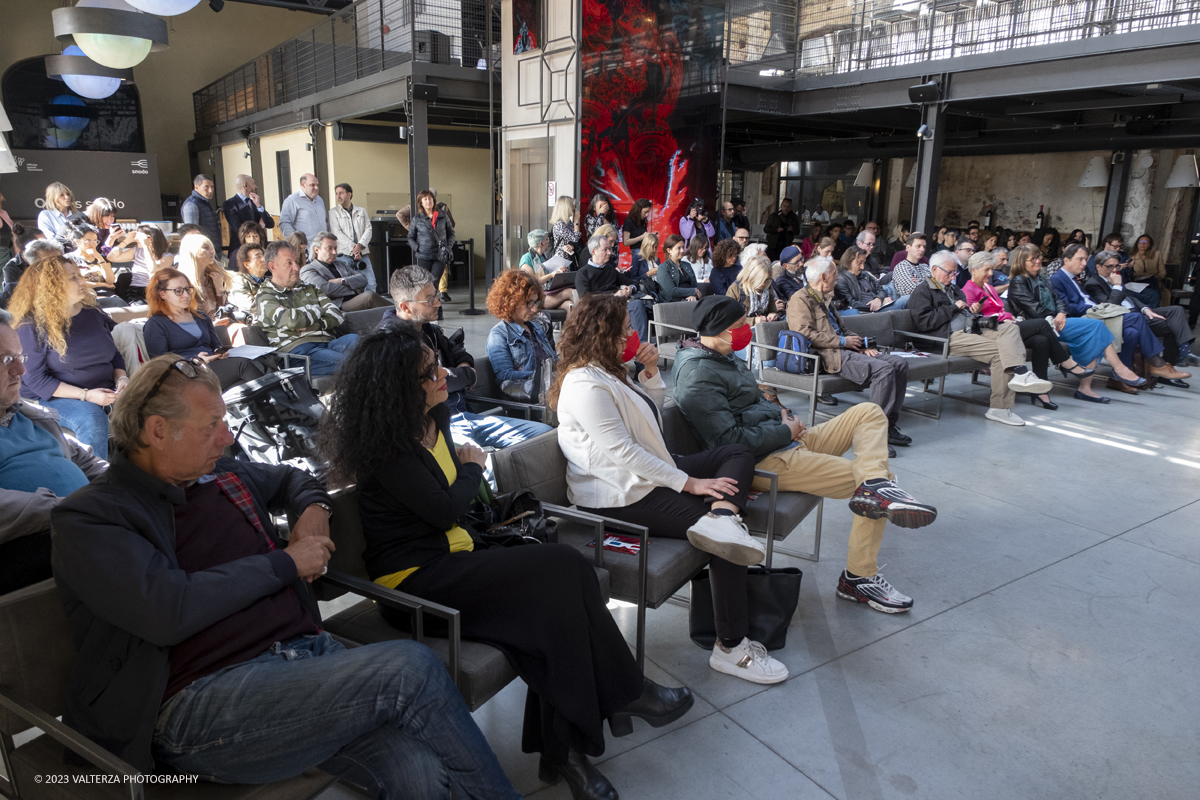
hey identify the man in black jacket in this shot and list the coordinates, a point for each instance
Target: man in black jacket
(199, 643)
(337, 278)
(608, 279)
(939, 308)
(1169, 323)
(416, 303)
(781, 228)
(243, 207)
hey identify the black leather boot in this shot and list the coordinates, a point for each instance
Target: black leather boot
(586, 782)
(658, 705)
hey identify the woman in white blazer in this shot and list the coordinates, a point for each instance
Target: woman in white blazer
(618, 466)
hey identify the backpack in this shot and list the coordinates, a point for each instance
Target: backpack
(797, 343)
(275, 420)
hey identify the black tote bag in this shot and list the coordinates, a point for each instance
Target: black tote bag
(772, 594)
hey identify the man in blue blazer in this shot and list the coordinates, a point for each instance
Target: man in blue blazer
(244, 206)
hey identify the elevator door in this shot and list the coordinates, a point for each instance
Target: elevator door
(528, 166)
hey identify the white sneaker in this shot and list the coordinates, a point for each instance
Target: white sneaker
(748, 661)
(1004, 415)
(725, 536)
(1029, 384)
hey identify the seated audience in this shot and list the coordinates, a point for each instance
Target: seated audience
(52, 219)
(791, 276)
(808, 244)
(1146, 265)
(939, 308)
(648, 256)
(388, 429)
(811, 314)
(963, 251)
(248, 233)
(532, 264)
(717, 394)
(857, 290)
(337, 278)
(912, 270)
(698, 259)
(1113, 243)
(676, 280)
(754, 290)
(999, 279)
(94, 268)
(618, 466)
(150, 254)
(1136, 336)
(74, 366)
(601, 275)
(600, 213)
(176, 326)
(726, 266)
(825, 247)
(297, 318)
(519, 346)
(198, 260)
(23, 238)
(173, 558)
(907, 252)
(416, 302)
(610, 233)
(1030, 296)
(564, 227)
(248, 280)
(869, 242)
(39, 466)
(1169, 323)
(299, 244)
(1037, 333)
(116, 243)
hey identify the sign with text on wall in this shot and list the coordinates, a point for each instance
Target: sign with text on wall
(128, 179)
(551, 193)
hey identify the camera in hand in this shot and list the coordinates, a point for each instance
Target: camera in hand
(980, 323)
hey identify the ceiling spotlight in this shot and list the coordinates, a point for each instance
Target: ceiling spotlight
(923, 132)
(83, 76)
(216, 5)
(110, 32)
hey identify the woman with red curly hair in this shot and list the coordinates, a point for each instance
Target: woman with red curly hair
(519, 346)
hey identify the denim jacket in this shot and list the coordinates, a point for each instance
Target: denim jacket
(511, 351)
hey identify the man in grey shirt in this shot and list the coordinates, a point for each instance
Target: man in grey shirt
(304, 211)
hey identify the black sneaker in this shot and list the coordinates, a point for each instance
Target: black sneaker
(874, 591)
(445, 297)
(879, 498)
(898, 438)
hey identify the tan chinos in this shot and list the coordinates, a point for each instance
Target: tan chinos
(1002, 349)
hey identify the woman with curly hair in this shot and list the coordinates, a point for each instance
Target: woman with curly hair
(600, 213)
(57, 315)
(519, 345)
(388, 429)
(198, 260)
(618, 466)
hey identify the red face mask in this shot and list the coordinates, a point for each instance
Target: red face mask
(631, 347)
(740, 337)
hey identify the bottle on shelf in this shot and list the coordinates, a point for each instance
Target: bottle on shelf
(987, 220)
(1041, 217)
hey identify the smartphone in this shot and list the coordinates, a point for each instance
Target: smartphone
(220, 350)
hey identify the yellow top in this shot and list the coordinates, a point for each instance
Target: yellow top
(460, 540)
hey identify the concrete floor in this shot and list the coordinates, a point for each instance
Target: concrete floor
(1050, 652)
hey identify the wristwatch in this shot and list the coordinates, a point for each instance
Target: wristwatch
(328, 508)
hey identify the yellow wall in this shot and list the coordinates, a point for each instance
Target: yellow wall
(234, 163)
(457, 172)
(203, 46)
(293, 141)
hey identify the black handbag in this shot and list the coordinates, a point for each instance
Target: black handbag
(511, 519)
(772, 594)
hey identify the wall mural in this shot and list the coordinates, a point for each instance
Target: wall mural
(526, 25)
(650, 107)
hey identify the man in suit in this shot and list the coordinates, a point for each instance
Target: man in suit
(1169, 323)
(336, 277)
(781, 228)
(244, 206)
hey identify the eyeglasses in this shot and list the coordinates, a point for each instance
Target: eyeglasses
(433, 300)
(7, 361)
(534, 303)
(189, 367)
(431, 375)
(181, 291)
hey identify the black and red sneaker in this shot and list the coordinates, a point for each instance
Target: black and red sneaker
(879, 498)
(874, 591)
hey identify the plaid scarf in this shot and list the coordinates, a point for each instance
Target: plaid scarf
(235, 489)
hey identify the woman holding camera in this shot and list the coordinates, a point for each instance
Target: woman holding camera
(1037, 333)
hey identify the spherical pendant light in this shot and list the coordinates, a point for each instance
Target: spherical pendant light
(69, 122)
(164, 8)
(84, 76)
(110, 32)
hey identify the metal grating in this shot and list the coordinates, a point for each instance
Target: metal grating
(358, 41)
(839, 36)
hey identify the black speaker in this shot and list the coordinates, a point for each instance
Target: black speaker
(425, 91)
(925, 92)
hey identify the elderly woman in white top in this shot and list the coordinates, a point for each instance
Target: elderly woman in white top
(618, 466)
(533, 265)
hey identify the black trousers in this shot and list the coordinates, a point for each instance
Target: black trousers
(24, 561)
(1040, 338)
(233, 371)
(541, 605)
(436, 268)
(1173, 329)
(669, 513)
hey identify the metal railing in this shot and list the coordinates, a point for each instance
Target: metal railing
(358, 41)
(826, 37)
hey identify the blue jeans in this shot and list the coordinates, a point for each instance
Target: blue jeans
(327, 356)
(497, 432)
(385, 716)
(88, 421)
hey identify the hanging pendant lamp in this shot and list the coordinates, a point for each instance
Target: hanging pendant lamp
(110, 32)
(83, 76)
(164, 8)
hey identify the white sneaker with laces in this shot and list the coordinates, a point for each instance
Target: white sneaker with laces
(1029, 384)
(748, 661)
(1005, 416)
(725, 536)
